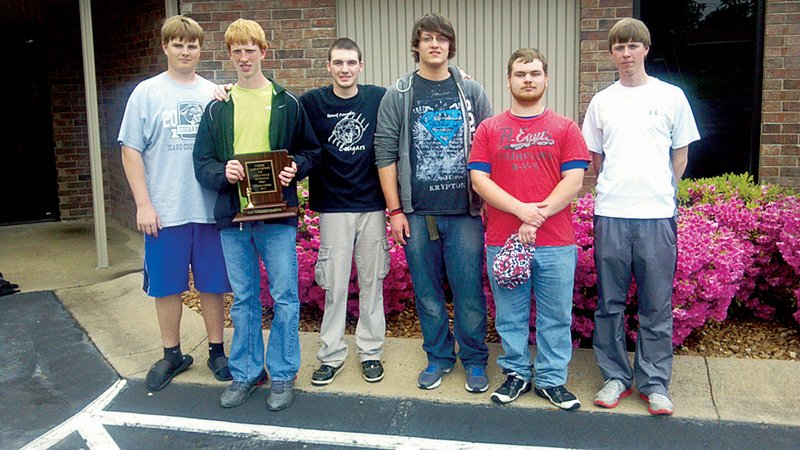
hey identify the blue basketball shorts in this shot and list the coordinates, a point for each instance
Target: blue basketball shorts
(167, 259)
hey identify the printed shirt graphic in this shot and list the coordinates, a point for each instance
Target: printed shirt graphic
(525, 157)
(438, 156)
(160, 121)
(347, 179)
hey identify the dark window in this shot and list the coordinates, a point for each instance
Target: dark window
(713, 50)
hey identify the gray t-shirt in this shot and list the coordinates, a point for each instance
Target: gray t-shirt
(161, 120)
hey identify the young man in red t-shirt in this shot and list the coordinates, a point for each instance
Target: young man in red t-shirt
(528, 163)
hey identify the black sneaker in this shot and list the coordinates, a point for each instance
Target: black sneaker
(372, 370)
(513, 387)
(559, 396)
(324, 375)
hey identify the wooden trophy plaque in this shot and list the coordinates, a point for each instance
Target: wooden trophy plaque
(262, 188)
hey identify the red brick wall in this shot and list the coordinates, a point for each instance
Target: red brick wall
(69, 114)
(780, 108)
(597, 69)
(127, 50)
(299, 33)
(126, 40)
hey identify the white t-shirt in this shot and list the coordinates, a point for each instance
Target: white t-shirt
(636, 128)
(161, 120)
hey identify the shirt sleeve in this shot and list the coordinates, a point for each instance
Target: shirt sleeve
(480, 155)
(575, 148)
(684, 128)
(134, 122)
(592, 134)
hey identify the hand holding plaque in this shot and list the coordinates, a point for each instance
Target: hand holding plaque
(262, 188)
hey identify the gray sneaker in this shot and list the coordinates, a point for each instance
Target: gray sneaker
(477, 380)
(658, 404)
(239, 391)
(431, 377)
(613, 390)
(281, 395)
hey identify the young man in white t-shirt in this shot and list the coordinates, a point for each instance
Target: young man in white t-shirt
(172, 210)
(638, 130)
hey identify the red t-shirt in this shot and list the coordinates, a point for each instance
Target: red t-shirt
(525, 157)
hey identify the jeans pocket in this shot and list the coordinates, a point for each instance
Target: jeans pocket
(323, 267)
(386, 257)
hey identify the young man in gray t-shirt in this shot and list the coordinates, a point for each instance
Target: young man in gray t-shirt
(172, 210)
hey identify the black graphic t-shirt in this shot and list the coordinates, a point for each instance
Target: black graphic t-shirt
(438, 158)
(347, 179)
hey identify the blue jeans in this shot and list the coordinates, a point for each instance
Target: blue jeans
(552, 279)
(458, 249)
(275, 243)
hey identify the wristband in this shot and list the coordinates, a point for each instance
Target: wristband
(395, 212)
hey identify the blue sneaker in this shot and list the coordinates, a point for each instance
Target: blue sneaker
(431, 377)
(477, 381)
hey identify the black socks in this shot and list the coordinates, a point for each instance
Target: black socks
(173, 355)
(215, 351)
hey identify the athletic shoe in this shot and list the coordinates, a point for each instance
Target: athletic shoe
(477, 381)
(324, 375)
(281, 395)
(613, 390)
(559, 396)
(431, 377)
(513, 387)
(372, 370)
(239, 391)
(658, 404)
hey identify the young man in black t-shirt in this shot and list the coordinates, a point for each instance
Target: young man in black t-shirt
(346, 193)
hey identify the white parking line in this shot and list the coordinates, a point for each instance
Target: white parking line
(289, 434)
(75, 422)
(90, 423)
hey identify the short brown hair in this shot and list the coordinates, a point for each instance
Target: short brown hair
(344, 44)
(433, 23)
(243, 32)
(628, 30)
(527, 55)
(181, 28)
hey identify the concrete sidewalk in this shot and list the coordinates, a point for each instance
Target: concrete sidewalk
(120, 319)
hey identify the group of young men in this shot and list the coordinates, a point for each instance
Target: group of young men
(455, 183)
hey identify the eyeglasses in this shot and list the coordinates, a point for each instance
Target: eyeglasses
(428, 38)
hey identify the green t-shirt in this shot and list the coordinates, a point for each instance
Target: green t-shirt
(251, 121)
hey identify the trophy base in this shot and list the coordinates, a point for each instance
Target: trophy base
(266, 213)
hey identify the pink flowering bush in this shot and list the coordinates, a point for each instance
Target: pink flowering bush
(397, 289)
(738, 248)
(758, 215)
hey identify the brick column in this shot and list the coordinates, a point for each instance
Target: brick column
(780, 107)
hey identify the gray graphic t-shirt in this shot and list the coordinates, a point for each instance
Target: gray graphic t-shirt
(438, 157)
(161, 120)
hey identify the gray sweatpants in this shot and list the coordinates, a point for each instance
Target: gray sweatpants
(340, 235)
(646, 248)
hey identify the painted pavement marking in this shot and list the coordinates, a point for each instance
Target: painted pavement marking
(91, 421)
